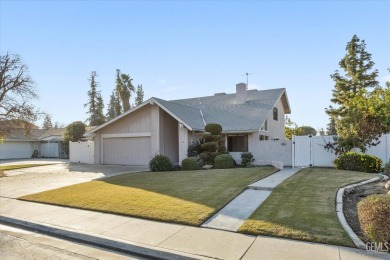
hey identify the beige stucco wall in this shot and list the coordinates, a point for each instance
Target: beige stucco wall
(169, 141)
(276, 128)
(137, 122)
(162, 127)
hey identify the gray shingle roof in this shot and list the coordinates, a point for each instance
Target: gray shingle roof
(224, 110)
(189, 115)
(221, 109)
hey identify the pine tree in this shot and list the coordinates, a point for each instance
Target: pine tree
(140, 95)
(124, 88)
(47, 124)
(357, 65)
(114, 107)
(95, 103)
(361, 114)
(331, 127)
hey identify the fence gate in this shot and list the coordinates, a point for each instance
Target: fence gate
(81, 152)
(309, 151)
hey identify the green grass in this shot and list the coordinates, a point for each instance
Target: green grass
(303, 207)
(18, 166)
(186, 197)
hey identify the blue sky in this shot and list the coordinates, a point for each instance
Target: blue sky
(179, 49)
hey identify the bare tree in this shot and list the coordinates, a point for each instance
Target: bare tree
(16, 93)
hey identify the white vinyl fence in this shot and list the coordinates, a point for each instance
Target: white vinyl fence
(309, 151)
(81, 152)
(49, 150)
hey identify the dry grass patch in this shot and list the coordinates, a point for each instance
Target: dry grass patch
(186, 197)
(303, 207)
(18, 166)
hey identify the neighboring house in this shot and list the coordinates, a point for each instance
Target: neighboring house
(44, 142)
(248, 118)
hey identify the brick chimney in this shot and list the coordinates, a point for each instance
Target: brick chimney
(241, 93)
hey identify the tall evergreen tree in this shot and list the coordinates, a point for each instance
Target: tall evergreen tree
(331, 127)
(47, 124)
(124, 88)
(357, 65)
(114, 107)
(361, 115)
(95, 103)
(140, 95)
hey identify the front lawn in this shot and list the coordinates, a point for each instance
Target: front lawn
(303, 207)
(18, 166)
(186, 197)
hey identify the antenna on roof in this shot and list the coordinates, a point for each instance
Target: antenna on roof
(247, 78)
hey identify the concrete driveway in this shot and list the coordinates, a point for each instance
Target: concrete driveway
(26, 181)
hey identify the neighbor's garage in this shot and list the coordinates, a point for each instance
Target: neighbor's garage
(15, 150)
(127, 150)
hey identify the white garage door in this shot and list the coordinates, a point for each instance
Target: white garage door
(127, 150)
(15, 150)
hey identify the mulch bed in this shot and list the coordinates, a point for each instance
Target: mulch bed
(351, 200)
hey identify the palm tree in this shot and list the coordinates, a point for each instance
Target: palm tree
(124, 89)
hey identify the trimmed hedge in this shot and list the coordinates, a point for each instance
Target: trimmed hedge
(247, 159)
(214, 129)
(189, 164)
(358, 162)
(209, 147)
(223, 161)
(160, 163)
(374, 214)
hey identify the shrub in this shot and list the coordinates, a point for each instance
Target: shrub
(214, 129)
(189, 164)
(374, 212)
(387, 168)
(358, 162)
(209, 147)
(247, 159)
(223, 161)
(160, 163)
(195, 148)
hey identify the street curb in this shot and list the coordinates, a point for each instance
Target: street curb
(340, 214)
(143, 251)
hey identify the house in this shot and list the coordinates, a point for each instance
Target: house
(43, 142)
(249, 119)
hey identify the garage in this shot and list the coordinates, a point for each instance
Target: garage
(15, 150)
(126, 150)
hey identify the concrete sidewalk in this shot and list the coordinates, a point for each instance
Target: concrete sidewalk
(233, 215)
(163, 240)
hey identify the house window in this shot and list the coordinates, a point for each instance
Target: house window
(265, 126)
(238, 143)
(263, 137)
(275, 114)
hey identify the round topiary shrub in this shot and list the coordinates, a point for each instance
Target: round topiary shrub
(189, 164)
(247, 159)
(358, 162)
(374, 213)
(223, 161)
(160, 163)
(214, 129)
(209, 147)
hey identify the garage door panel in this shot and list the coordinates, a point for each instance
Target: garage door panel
(15, 150)
(127, 151)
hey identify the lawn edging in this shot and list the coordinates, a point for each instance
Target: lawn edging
(340, 214)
